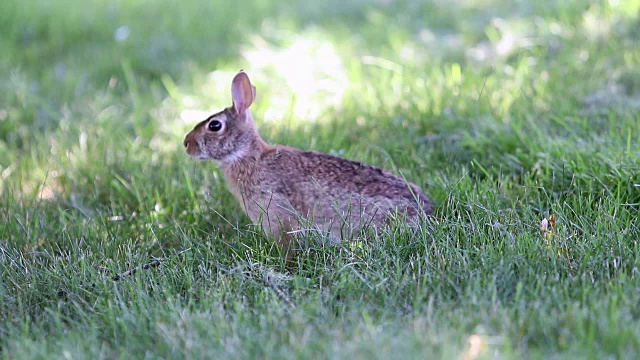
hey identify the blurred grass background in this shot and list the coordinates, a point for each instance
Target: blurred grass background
(504, 112)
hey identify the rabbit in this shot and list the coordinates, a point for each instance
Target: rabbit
(289, 191)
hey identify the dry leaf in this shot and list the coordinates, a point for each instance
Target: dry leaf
(547, 226)
(477, 345)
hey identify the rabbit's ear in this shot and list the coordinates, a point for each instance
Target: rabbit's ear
(242, 92)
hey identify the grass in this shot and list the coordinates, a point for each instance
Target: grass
(504, 112)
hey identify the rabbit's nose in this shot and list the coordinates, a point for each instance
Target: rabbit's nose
(185, 142)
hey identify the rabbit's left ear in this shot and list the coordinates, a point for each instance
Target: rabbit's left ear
(242, 92)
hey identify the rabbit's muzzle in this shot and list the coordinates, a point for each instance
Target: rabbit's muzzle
(190, 145)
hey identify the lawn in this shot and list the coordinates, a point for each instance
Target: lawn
(506, 113)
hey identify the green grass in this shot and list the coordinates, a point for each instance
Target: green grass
(504, 112)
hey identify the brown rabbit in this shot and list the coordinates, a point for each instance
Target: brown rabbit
(294, 191)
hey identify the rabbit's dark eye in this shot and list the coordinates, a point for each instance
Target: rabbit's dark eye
(215, 125)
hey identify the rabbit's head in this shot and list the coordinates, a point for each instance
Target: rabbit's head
(230, 134)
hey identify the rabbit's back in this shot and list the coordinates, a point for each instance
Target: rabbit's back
(330, 192)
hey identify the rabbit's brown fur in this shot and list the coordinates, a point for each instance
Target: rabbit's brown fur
(290, 190)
